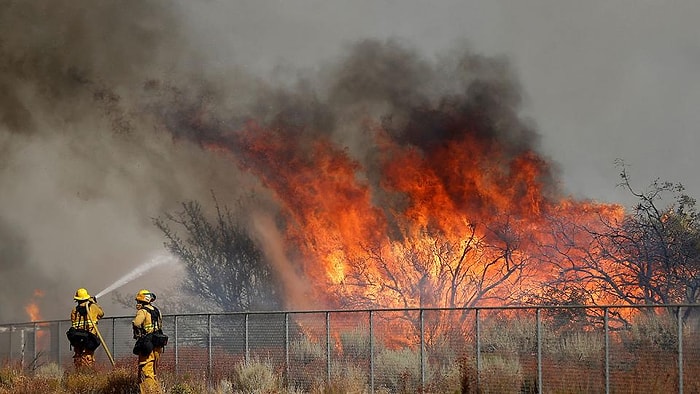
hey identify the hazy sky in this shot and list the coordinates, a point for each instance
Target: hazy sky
(600, 80)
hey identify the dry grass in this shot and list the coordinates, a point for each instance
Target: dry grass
(578, 346)
(398, 370)
(10, 376)
(355, 343)
(304, 352)
(509, 336)
(347, 378)
(643, 358)
(652, 331)
(256, 376)
(501, 374)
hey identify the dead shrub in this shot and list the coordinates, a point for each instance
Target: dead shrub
(256, 377)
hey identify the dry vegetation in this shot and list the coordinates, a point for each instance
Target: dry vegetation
(643, 356)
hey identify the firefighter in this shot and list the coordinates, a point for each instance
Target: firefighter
(146, 323)
(84, 317)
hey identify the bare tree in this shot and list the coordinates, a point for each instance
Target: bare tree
(664, 242)
(433, 271)
(428, 270)
(649, 256)
(223, 263)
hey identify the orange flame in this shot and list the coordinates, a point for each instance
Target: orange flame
(33, 311)
(32, 308)
(459, 224)
(462, 219)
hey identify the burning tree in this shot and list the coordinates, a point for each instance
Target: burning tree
(409, 184)
(431, 270)
(443, 202)
(649, 256)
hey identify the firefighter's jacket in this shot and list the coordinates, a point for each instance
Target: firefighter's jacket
(142, 321)
(94, 312)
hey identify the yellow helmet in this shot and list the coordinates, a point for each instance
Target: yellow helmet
(145, 296)
(81, 295)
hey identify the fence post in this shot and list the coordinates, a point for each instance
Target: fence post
(22, 346)
(422, 350)
(478, 348)
(539, 351)
(606, 322)
(328, 347)
(114, 333)
(209, 364)
(34, 354)
(58, 343)
(177, 359)
(371, 354)
(247, 348)
(680, 351)
(286, 345)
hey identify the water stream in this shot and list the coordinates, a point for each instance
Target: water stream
(138, 271)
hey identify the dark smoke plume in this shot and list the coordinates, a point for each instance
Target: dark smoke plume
(106, 107)
(420, 103)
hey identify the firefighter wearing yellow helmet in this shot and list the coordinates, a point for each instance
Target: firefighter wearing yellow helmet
(83, 331)
(150, 340)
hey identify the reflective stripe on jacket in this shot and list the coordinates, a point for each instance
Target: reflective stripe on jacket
(143, 319)
(79, 321)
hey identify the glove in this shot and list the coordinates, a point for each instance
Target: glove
(93, 300)
(138, 332)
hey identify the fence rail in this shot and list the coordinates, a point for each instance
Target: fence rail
(541, 349)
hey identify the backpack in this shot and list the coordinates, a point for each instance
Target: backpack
(146, 343)
(80, 337)
(158, 338)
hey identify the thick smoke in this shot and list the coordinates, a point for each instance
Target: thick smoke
(84, 166)
(426, 104)
(14, 260)
(106, 107)
(420, 103)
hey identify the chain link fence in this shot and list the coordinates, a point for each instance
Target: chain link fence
(543, 349)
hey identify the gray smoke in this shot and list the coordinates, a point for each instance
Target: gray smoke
(105, 107)
(420, 103)
(83, 164)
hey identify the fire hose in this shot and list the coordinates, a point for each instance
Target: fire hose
(102, 341)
